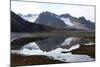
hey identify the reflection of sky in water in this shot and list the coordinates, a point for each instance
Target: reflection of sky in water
(33, 49)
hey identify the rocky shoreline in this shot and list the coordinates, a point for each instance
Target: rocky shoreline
(85, 50)
(22, 60)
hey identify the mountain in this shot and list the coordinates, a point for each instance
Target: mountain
(69, 16)
(45, 22)
(88, 24)
(79, 23)
(50, 19)
(18, 24)
(60, 21)
(64, 21)
(29, 17)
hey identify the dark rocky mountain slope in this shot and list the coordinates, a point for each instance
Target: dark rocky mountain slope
(20, 25)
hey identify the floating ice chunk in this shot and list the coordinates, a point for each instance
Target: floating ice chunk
(26, 51)
(90, 43)
(74, 47)
(56, 54)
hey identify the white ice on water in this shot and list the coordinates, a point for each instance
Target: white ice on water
(90, 43)
(33, 49)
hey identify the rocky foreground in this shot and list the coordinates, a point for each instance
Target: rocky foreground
(85, 50)
(21, 60)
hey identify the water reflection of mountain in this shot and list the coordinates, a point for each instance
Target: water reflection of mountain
(49, 44)
(68, 49)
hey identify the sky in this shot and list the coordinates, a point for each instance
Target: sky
(36, 8)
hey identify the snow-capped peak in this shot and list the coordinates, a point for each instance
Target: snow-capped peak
(29, 17)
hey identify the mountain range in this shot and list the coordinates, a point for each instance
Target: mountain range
(64, 21)
(18, 24)
(46, 21)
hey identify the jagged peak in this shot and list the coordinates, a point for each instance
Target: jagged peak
(65, 15)
(82, 18)
(48, 13)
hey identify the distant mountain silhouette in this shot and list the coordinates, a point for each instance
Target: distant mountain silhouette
(80, 22)
(90, 25)
(69, 16)
(45, 22)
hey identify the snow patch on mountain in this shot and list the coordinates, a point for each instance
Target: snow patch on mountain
(67, 21)
(31, 18)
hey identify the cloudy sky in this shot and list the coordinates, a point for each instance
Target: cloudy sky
(37, 8)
